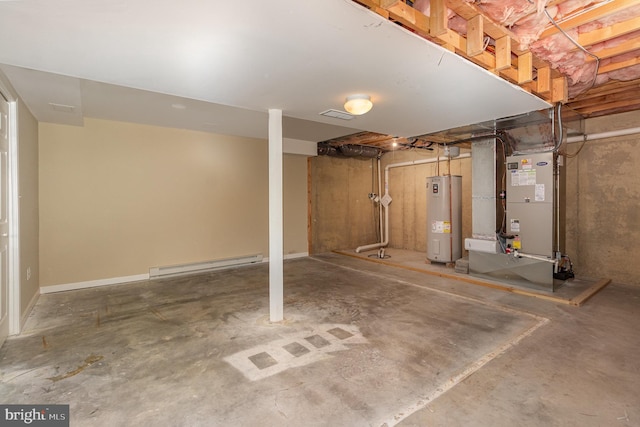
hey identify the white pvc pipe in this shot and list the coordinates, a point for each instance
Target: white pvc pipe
(380, 213)
(385, 241)
(536, 257)
(602, 135)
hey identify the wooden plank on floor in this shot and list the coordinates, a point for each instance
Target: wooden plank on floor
(588, 293)
(577, 301)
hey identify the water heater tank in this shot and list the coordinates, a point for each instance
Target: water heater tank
(444, 218)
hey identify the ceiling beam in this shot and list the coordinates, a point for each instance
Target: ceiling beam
(589, 15)
(615, 66)
(609, 32)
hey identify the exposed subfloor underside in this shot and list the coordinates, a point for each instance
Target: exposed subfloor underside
(363, 344)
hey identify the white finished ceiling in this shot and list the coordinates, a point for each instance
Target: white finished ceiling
(228, 62)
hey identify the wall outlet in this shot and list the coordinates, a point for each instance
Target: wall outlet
(28, 273)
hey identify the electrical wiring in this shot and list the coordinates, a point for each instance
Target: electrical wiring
(557, 148)
(576, 44)
(572, 155)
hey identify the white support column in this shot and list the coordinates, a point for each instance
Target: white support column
(276, 273)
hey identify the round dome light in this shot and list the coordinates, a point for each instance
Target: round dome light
(358, 104)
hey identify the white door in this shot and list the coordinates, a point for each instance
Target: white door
(4, 224)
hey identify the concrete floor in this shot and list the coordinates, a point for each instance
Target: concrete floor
(362, 345)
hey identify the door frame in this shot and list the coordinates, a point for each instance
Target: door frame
(13, 212)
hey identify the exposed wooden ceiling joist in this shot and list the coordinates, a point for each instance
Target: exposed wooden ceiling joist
(549, 65)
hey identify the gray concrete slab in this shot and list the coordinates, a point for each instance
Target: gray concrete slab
(362, 344)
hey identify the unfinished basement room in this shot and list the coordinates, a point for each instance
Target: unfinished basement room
(320, 213)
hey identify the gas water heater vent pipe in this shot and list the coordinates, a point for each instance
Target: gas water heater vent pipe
(385, 237)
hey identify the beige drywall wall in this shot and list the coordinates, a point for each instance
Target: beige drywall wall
(295, 200)
(602, 202)
(118, 198)
(28, 207)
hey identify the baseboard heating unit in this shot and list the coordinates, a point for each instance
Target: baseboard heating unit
(201, 267)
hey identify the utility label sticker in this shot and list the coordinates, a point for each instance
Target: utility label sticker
(515, 225)
(539, 195)
(523, 177)
(442, 227)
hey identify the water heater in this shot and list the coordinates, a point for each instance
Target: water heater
(444, 218)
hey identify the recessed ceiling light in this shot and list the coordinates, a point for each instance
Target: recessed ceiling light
(179, 106)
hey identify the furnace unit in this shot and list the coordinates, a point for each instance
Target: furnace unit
(444, 218)
(522, 251)
(530, 202)
(517, 219)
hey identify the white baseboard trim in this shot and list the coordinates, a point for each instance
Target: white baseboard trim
(120, 280)
(290, 256)
(93, 283)
(298, 255)
(27, 311)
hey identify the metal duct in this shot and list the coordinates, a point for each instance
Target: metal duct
(485, 186)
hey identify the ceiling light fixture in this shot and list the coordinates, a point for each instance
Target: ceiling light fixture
(358, 104)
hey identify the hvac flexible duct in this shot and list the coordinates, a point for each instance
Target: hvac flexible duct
(353, 150)
(348, 150)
